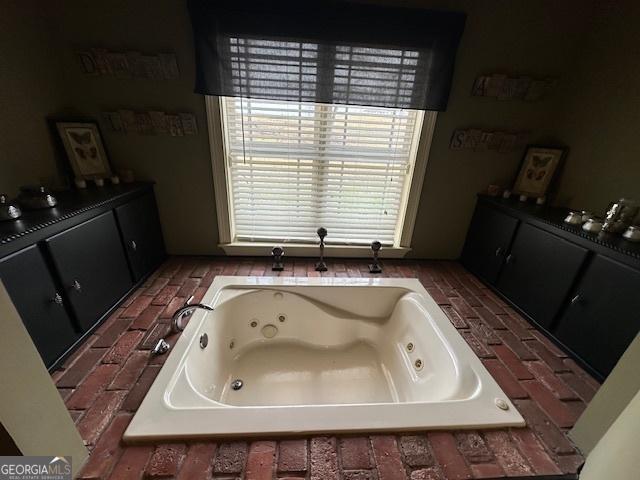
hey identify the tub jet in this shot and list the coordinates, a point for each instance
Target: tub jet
(237, 384)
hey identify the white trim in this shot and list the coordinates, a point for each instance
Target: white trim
(252, 249)
(218, 171)
(417, 178)
(425, 127)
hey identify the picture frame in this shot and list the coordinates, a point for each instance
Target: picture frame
(538, 167)
(83, 146)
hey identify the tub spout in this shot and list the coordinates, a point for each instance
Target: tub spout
(185, 311)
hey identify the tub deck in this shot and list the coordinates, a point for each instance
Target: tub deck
(105, 381)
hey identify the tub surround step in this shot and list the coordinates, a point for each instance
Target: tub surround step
(554, 393)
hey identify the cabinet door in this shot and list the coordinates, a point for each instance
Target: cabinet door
(603, 316)
(27, 280)
(141, 233)
(539, 271)
(91, 264)
(487, 242)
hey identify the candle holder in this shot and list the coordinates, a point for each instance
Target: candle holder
(321, 266)
(277, 253)
(375, 266)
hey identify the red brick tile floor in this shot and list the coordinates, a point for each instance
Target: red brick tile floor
(104, 382)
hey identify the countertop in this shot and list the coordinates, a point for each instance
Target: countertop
(74, 206)
(552, 219)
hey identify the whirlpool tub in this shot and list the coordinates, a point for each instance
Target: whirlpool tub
(294, 355)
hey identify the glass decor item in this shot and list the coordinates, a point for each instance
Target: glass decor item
(8, 211)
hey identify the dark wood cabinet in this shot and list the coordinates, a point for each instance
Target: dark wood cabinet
(40, 303)
(68, 267)
(539, 270)
(487, 244)
(141, 235)
(580, 288)
(91, 264)
(603, 315)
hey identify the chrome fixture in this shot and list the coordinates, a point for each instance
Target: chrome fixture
(185, 311)
(237, 384)
(204, 340)
(375, 266)
(57, 299)
(277, 253)
(161, 347)
(321, 266)
(574, 218)
(593, 225)
(33, 198)
(8, 211)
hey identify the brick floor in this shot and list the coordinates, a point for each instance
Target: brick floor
(104, 382)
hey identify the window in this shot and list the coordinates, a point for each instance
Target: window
(291, 167)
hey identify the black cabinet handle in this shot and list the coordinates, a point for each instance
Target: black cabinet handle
(498, 251)
(76, 286)
(134, 245)
(57, 299)
(509, 259)
(575, 299)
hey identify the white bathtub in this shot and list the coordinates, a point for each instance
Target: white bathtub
(319, 355)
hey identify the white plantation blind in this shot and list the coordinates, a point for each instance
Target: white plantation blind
(293, 167)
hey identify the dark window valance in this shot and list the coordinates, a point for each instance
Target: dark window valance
(327, 52)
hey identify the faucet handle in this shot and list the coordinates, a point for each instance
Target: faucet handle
(187, 302)
(375, 266)
(277, 253)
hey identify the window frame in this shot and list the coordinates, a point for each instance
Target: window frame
(224, 208)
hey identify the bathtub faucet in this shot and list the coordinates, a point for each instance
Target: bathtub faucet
(185, 311)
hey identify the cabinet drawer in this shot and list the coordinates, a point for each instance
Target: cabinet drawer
(32, 289)
(141, 234)
(91, 264)
(539, 271)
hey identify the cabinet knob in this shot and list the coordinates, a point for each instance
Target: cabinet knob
(76, 286)
(57, 299)
(509, 259)
(134, 245)
(575, 299)
(498, 251)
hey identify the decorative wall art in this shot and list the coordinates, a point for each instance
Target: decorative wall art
(538, 166)
(85, 151)
(151, 122)
(131, 64)
(478, 139)
(504, 87)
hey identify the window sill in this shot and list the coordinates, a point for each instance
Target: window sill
(254, 249)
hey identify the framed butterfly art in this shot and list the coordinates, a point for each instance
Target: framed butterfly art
(83, 144)
(537, 169)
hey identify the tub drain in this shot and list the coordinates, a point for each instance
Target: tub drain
(237, 384)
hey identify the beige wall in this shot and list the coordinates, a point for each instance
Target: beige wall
(622, 384)
(534, 37)
(615, 457)
(31, 409)
(180, 165)
(602, 112)
(30, 89)
(539, 37)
